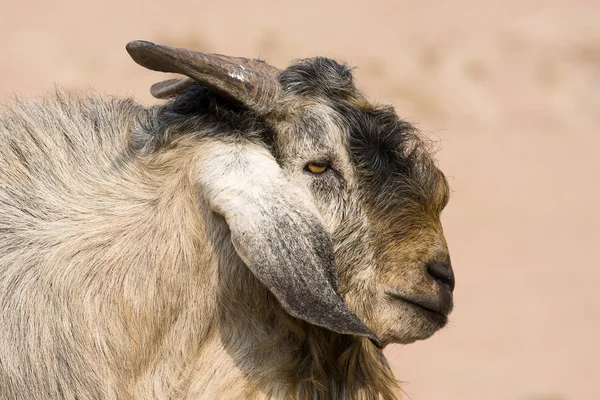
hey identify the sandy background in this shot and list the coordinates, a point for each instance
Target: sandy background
(511, 90)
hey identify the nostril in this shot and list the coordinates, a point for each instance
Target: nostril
(441, 273)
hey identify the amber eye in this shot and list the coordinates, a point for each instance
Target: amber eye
(317, 168)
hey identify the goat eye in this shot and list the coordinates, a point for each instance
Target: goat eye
(316, 167)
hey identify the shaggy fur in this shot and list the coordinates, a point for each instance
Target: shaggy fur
(118, 277)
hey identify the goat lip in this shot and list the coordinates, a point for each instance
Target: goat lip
(427, 307)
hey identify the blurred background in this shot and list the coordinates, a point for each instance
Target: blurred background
(509, 90)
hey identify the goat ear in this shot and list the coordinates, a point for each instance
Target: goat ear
(278, 233)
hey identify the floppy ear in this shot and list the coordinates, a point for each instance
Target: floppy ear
(277, 232)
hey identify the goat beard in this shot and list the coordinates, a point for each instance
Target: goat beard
(330, 365)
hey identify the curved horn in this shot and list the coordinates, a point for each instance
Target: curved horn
(251, 83)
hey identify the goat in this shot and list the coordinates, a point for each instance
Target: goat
(263, 233)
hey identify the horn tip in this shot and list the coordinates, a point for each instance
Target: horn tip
(136, 45)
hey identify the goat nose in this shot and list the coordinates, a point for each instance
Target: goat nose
(441, 273)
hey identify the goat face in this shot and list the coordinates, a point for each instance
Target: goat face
(380, 195)
(342, 201)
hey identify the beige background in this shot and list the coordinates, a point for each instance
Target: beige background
(510, 90)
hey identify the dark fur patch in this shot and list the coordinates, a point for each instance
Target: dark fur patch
(318, 76)
(393, 161)
(197, 110)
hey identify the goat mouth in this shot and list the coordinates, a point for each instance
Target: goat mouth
(428, 309)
